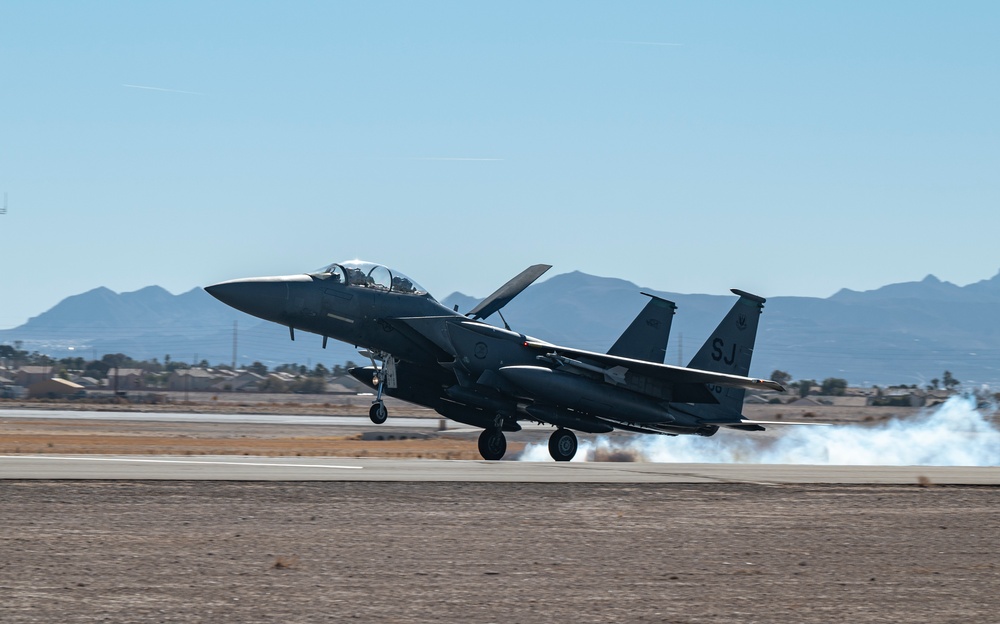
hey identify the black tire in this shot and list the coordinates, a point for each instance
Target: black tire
(492, 444)
(378, 413)
(562, 445)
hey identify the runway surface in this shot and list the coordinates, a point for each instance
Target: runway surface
(234, 419)
(229, 468)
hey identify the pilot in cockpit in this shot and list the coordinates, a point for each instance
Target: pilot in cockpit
(356, 277)
(402, 284)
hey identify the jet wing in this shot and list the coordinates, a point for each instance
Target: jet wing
(614, 365)
(428, 333)
(508, 291)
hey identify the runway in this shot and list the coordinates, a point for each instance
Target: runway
(242, 468)
(228, 419)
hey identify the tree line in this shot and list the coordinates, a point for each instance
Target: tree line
(309, 379)
(835, 386)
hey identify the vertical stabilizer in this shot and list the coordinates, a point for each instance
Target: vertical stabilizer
(729, 350)
(646, 337)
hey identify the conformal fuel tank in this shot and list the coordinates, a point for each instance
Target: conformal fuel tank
(586, 395)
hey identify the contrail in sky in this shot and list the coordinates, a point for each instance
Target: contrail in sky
(429, 158)
(447, 158)
(648, 43)
(132, 86)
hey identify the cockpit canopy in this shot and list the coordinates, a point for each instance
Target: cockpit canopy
(370, 275)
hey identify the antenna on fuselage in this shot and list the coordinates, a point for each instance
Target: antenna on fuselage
(505, 325)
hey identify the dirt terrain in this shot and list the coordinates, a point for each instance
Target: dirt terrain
(34, 436)
(230, 403)
(74, 437)
(397, 552)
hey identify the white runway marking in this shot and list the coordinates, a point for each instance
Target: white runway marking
(178, 461)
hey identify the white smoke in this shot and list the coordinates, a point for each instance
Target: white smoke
(954, 434)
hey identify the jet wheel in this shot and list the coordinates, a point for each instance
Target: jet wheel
(492, 444)
(378, 413)
(562, 445)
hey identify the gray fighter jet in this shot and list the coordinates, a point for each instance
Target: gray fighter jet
(491, 377)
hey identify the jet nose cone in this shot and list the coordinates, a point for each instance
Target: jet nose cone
(226, 292)
(220, 291)
(263, 297)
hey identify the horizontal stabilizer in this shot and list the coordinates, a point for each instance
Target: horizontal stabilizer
(508, 291)
(663, 372)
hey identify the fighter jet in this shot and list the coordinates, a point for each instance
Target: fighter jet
(494, 378)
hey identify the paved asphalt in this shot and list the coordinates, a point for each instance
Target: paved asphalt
(229, 468)
(237, 468)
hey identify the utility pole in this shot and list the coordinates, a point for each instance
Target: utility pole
(235, 329)
(680, 351)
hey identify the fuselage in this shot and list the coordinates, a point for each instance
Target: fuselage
(333, 304)
(490, 377)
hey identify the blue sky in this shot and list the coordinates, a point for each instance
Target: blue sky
(786, 148)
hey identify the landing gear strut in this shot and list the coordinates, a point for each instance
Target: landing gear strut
(378, 413)
(492, 444)
(562, 445)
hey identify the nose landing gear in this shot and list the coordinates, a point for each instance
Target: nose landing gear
(378, 412)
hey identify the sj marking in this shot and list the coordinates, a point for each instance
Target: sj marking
(717, 352)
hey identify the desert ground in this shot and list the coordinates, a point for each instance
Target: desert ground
(247, 552)
(490, 552)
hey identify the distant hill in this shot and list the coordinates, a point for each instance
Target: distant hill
(900, 333)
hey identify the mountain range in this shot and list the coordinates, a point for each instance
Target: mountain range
(907, 333)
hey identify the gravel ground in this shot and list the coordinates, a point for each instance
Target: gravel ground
(438, 552)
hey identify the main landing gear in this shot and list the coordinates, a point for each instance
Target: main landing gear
(493, 444)
(562, 445)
